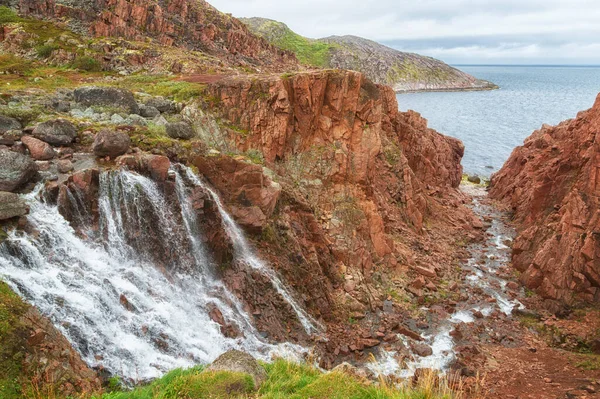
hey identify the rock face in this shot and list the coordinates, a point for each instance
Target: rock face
(240, 362)
(15, 170)
(39, 150)
(552, 183)
(57, 132)
(106, 97)
(110, 143)
(11, 206)
(192, 24)
(381, 64)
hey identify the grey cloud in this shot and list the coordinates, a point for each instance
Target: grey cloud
(464, 31)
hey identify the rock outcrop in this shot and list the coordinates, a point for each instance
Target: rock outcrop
(552, 183)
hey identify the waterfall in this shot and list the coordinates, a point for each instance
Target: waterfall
(245, 254)
(132, 297)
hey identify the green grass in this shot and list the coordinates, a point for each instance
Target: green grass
(590, 362)
(8, 15)
(11, 339)
(286, 380)
(162, 85)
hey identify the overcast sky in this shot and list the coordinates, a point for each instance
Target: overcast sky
(456, 31)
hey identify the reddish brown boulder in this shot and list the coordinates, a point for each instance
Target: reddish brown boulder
(39, 150)
(552, 183)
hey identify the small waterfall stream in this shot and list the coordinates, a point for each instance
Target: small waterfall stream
(133, 296)
(245, 254)
(481, 276)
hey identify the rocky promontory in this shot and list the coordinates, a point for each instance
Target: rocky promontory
(403, 71)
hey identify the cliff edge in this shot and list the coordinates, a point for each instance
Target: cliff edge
(552, 183)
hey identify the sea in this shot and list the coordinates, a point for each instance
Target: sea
(492, 123)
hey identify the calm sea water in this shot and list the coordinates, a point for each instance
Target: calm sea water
(492, 123)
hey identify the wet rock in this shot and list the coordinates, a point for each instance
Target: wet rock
(240, 362)
(110, 143)
(39, 150)
(107, 97)
(156, 166)
(408, 333)
(8, 123)
(11, 205)
(57, 132)
(148, 111)
(422, 350)
(15, 170)
(474, 179)
(180, 130)
(65, 166)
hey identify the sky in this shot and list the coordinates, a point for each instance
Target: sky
(455, 31)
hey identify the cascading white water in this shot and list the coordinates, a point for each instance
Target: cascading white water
(245, 254)
(113, 295)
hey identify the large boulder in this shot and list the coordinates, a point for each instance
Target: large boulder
(111, 143)
(7, 123)
(11, 205)
(107, 97)
(161, 104)
(15, 170)
(57, 132)
(240, 362)
(39, 150)
(180, 130)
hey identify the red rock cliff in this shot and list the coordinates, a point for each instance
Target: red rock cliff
(552, 183)
(193, 24)
(339, 144)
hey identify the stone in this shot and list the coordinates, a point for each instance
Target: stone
(57, 132)
(7, 123)
(110, 143)
(240, 362)
(107, 97)
(10, 137)
(422, 350)
(11, 205)
(148, 111)
(180, 130)
(474, 179)
(39, 150)
(426, 271)
(161, 104)
(15, 170)
(65, 166)
(117, 119)
(134, 119)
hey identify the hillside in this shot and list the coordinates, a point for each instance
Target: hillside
(383, 65)
(180, 24)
